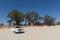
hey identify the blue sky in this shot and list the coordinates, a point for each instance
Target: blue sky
(43, 7)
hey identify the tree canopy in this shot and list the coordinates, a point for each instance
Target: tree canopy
(16, 16)
(49, 20)
(32, 17)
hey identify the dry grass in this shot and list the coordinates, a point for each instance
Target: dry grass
(2, 27)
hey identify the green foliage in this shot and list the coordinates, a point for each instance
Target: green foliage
(1, 24)
(16, 16)
(58, 23)
(32, 17)
(48, 20)
(14, 13)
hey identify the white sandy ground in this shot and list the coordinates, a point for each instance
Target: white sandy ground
(32, 33)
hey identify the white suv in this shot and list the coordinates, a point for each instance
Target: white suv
(17, 29)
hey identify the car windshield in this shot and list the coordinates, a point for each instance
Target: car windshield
(17, 27)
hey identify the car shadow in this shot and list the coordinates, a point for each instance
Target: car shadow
(19, 32)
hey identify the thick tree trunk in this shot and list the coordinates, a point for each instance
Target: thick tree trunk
(10, 24)
(31, 23)
(17, 22)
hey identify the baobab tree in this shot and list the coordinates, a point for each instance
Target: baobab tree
(32, 17)
(49, 20)
(16, 16)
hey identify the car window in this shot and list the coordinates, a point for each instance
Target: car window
(17, 27)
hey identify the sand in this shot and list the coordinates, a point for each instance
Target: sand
(32, 33)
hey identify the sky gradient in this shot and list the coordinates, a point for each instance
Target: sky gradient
(43, 7)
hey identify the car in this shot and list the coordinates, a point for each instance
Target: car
(17, 29)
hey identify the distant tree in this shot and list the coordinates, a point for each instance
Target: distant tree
(16, 16)
(48, 20)
(58, 23)
(32, 17)
(1, 24)
(25, 21)
(39, 23)
(9, 21)
(40, 18)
